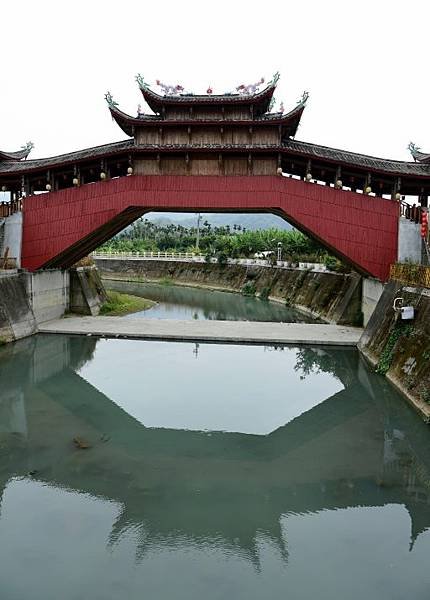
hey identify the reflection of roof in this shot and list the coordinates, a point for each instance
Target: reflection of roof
(358, 160)
(259, 478)
(233, 461)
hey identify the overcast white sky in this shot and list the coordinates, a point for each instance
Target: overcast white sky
(364, 63)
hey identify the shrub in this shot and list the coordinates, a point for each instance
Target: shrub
(265, 293)
(387, 354)
(425, 396)
(330, 262)
(221, 258)
(249, 289)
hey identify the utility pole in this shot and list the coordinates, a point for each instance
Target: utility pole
(199, 218)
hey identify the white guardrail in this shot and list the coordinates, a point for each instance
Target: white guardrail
(200, 258)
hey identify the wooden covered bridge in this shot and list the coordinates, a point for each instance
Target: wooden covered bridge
(213, 153)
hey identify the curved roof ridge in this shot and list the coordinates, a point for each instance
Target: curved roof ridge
(19, 154)
(154, 99)
(350, 152)
(364, 161)
(17, 166)
(417, 155)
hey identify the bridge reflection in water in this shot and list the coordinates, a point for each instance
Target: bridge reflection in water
(228, 496)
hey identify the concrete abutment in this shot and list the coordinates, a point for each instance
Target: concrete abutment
(28, 300)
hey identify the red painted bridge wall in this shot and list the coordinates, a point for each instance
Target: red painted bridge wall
(361, 229)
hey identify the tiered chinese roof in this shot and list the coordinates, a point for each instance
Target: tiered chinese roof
(289, 121)
(256, 110)
(232, 133)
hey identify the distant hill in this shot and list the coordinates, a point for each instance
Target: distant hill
(250, 221)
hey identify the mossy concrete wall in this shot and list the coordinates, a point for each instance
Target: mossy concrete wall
(87, 292)
(335, 297)
(401, 349)
(16, 316)
(28, 299)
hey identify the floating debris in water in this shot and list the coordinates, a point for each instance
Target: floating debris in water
(81, 443)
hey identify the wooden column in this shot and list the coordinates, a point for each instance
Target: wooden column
(396, 188)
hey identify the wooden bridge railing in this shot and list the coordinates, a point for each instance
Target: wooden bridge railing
(412, 212)
(10, 208)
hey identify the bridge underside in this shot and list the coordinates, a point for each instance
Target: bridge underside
(64, 226)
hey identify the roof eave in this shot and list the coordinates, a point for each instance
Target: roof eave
(421, 157)
(352, 159)
(291, 120)
(18, 155)
(123, 120)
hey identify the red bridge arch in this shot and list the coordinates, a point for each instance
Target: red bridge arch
(63, 226)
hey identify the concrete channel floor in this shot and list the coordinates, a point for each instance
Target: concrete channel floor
(206, 331)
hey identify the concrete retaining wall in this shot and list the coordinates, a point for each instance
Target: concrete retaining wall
(29, 299)
(403, 347)
(16, 316)
(48, 294)
(372, 291)
(321, 294)
(87, 292)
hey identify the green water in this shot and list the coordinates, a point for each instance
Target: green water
(213, 472)
(185, 303)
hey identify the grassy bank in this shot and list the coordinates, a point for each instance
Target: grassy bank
(119, 304)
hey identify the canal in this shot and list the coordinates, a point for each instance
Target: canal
(189, 471)
(185, 303)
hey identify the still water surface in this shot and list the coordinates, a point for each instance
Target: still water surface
(213, 472)
(185, 303)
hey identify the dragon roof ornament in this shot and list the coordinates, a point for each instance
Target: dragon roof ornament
(413, 149)
(304, 98)
(271, 104)
(250, 88)
(141, 82)
(28, 147)
(418, 155)
(274, 79)
(170, 89)
(109, 99)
